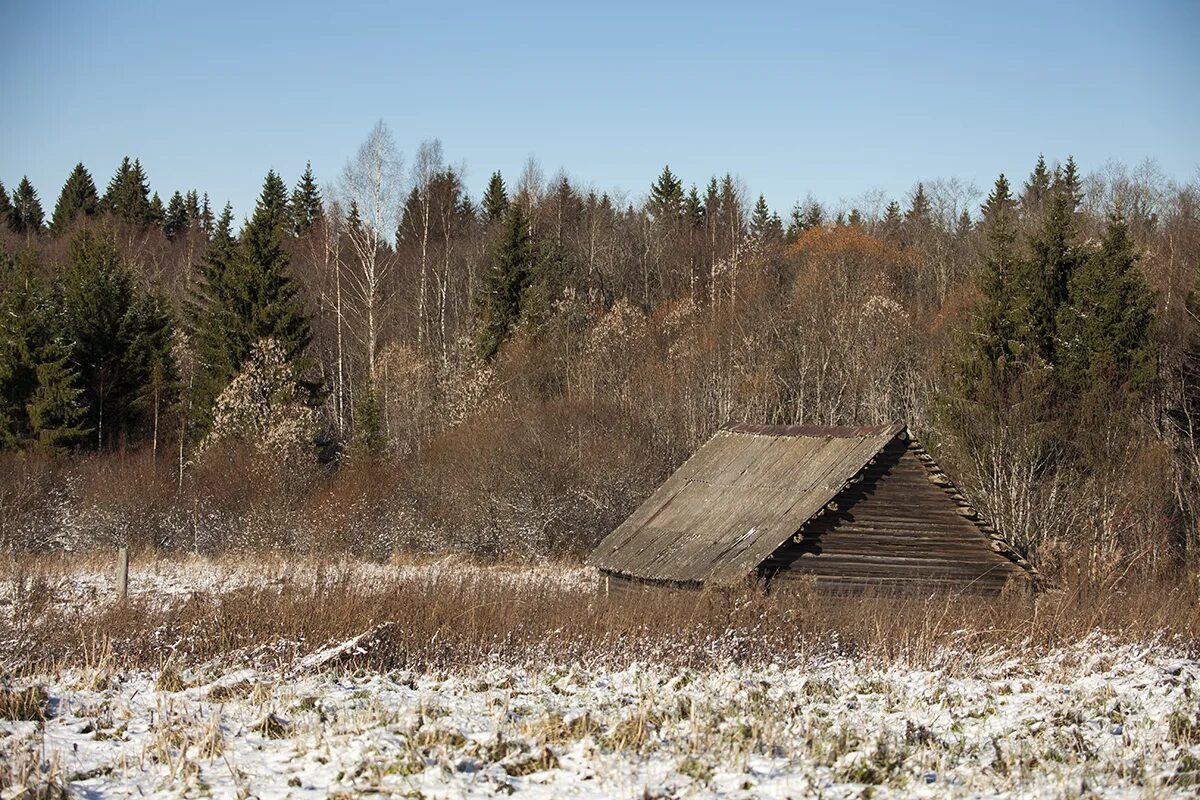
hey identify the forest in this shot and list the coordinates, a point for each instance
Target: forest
(382, 363)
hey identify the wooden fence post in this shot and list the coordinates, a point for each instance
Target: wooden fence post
(122, 573)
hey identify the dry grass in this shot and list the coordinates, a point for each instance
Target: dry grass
(441, 620)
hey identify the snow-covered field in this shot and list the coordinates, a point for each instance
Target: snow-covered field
(1114, 720)
(1101, 716)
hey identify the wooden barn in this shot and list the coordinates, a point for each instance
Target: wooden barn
(845, 508)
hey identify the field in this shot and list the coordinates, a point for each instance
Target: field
(267, 678)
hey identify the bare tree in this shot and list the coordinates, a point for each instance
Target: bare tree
(372, 186)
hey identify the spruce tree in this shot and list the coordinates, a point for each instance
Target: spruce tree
(893, 222)
(247, 294)
(56, 411)
(307, 208)
(6, 209)
(177, 221)
(1040, 284)
(990, 344)
(1037, 189)
(666, 203)
(694, 208)
(205, 217)
(212, 317)
(27, 215)
(128, 194)
(495, 198)
(510, 274)
(760, 221)
(1104, 342)
(23, 333)
(919, 217)
(158, 212)
(78, 196)
(112, 329)
(191, 202)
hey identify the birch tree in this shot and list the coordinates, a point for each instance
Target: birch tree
(372, 185)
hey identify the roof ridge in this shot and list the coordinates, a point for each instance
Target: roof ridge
(830, 431)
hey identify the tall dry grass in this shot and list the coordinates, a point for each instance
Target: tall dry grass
(441, 619)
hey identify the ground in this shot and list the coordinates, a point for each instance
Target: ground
(1095, 716)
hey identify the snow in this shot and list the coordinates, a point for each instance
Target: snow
(1097, 717)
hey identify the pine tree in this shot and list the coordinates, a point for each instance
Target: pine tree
(177, 220)
(510, 274)
(128, 194)
(1104, 342)
(27, 215)
(307, 208)
(78, 196)
(666, 203)
(495, 198)
(113, 330)
(893, 223)
(855, 219)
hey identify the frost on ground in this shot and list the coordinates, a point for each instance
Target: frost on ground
(1099, 717)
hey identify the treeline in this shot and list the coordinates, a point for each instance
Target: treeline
(385, 362)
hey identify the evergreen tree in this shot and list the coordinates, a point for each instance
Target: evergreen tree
(158, 212)
(369, 438)
(919, 217)
(128, 194)
(211, 316)
(1104, 330)
(55, 409)
(694, 208)
(990, 343)
(510, 274)
(247, 294)
(23, 334)
(177, 220)
(27, 215)
(113, 330)
(6, 209)
(760, 221)
(495, 198)
(1040, 284)
(205, 217)
(1037, 189)
(307, 209)
(666, 203)
(855, 220)
(893, 222)
(78, 196)
(191, 202)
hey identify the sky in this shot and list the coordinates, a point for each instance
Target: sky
(832, 99)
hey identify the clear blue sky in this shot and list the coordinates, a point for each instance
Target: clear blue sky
(829, 98)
